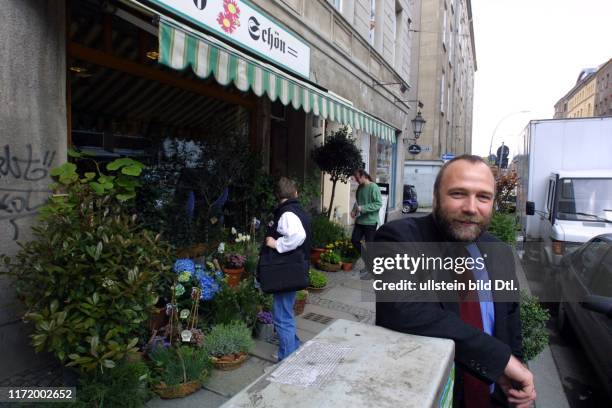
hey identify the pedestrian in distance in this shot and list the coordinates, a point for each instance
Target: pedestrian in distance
(368, 201)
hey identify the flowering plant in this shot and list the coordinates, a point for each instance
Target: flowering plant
(345, 248)
(330, 257)
(264, 317)
(234, 260)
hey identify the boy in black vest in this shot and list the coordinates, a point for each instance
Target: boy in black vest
(288, 235)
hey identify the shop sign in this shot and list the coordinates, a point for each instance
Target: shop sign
(246, 25)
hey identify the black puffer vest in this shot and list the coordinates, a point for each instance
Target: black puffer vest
(288, 271)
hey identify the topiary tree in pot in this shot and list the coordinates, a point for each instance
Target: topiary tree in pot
(339, 157)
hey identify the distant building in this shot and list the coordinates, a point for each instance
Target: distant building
(590, 96)
(603, 94)
(442, 78)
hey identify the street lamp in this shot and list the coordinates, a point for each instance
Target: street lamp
(418, 123)
(497, 126)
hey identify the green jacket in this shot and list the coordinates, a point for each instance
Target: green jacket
(369, 199)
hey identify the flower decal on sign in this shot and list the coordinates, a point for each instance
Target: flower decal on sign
(229, 18)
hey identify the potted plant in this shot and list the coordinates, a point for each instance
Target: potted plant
(300, 302)
(264, 327)
(318, 280)
(179, 371)
(228, 345)
(91, 276)
(324, 232)
(330, 261)
(233, 267)
(348, 253)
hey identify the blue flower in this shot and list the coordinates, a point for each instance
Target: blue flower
(208, 285)
(184, 265)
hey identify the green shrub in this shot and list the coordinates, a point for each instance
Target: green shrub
(301, 294)
(317, 279)
(124, 386)
(330, 257)
(226, 339)
(177, 365)
(325, 231)
(533, 320)
(91, 275)
(503, 226)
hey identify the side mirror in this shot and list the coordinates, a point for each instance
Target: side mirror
(530, 208)
(598, 304)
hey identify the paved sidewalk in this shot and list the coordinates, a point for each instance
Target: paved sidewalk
(341, 299)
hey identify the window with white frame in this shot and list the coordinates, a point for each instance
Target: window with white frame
(337, 4)
(444, 22)
(442, 90)
(372, 29)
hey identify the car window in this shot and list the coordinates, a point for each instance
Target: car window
(601, 284)
(589, 259)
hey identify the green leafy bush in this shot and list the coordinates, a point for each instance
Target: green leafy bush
(301, 294)
(124, 386)
(325, 231)
(91, 275)
(533, 318)
(227, 339)
(503, 226)
(317, 279)
(330, 257)
(177, 365)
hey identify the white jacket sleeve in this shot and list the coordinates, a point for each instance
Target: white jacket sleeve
(292, 231)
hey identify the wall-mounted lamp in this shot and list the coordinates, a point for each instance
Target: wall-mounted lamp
(418, 123)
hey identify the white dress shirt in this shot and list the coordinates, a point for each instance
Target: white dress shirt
(292, 231)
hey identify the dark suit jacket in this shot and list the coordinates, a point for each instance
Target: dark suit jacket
(482, 355)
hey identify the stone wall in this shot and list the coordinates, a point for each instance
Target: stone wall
(32, 141)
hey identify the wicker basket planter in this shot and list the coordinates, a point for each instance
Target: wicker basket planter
(177, 391)
(228, 363)
(324, 266)
(313, 289)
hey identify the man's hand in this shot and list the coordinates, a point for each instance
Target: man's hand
(517, 384)
(353, 215)
(271, 242)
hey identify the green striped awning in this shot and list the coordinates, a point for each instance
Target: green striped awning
(179, 49)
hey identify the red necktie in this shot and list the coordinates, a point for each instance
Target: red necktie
(476, 392)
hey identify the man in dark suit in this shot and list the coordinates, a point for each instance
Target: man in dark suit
(487, 334)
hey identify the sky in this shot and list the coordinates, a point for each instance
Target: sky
(529, 54)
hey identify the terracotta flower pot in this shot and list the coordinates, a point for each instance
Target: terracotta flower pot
(347, 266)
(315, 255)
(233, 276)
(298, 306)
(231, 362)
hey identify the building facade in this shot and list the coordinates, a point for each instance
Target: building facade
(590, 96)
(603, 94)
(140, 78)
(444, 63)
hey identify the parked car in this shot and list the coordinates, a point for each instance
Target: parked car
(409, 203)
(585, 289)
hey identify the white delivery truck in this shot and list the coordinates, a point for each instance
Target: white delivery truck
(565, 188)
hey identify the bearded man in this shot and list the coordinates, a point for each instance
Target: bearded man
(487, 334)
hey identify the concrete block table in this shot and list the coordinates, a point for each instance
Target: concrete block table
(351, 364)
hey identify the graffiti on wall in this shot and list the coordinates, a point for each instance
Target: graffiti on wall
(20, 194)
